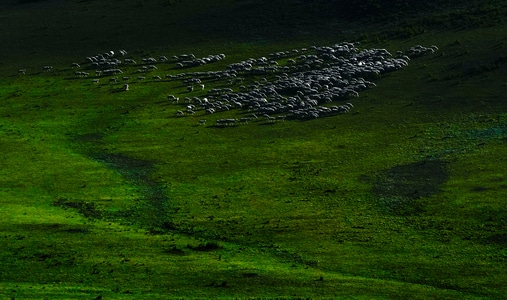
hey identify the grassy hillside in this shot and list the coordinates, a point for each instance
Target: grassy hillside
(110, 194)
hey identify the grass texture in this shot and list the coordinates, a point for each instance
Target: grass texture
(108, 194)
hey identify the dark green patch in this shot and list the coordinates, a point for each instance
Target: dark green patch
(133, 169)
(152, 212)
(206, 246)
(87, 209)
(480, 189)
(174, 250)
(500, 239)
(287, 222)
(89, 138)
(398, 190)
(494, 132)
(55, 227)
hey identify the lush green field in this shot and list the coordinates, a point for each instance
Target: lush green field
(110, 194)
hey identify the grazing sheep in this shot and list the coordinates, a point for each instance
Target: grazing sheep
(226, 122)
(130, 61)
(173, 98)
(298, 89)
(149, 60)
(244, 120)
(81, 74)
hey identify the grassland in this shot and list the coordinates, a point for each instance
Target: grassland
(108, 194)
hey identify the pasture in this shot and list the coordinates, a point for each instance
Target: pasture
(112, 193)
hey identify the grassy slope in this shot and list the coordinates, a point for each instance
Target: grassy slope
(304, 209)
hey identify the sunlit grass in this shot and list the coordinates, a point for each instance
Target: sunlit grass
(110, 193)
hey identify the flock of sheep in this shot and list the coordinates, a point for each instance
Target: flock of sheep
(297, 84)
(313, 83)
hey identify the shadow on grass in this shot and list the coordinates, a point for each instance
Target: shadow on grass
(499, 239)
(398, 190)
(56, 228)
(152, 212)
(206, 246)
(87, 209)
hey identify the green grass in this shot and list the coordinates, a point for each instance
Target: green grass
(110, 194)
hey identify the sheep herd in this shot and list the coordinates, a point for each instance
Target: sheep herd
(305, 83)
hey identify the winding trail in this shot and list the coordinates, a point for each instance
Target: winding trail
(152, 212)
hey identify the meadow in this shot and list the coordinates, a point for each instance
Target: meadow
(109, 194)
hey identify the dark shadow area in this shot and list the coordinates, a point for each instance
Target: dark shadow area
(28, 1)
(151, 213)
(56, 227)
(399, 189)
(87, 209)
(499, 239)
